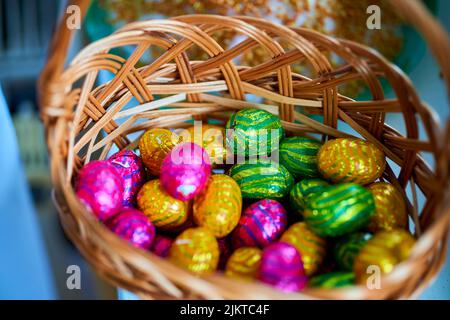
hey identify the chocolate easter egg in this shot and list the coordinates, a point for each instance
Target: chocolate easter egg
(299, 156)
(161, 245)
(390, 208)
(384, 250)
(212, 138)
(331, 280)
(244, 263)
(132, 171)
(312, 248)
(348, 248)
(164, 211)
(196, 250)
(155, 145)
(281, 266)
(185, 171)
(302, 190)
(254, 132)
(262, 180)
(339, 209)
(261, 223)
(350, 160)
(218, 207)
(99, 187)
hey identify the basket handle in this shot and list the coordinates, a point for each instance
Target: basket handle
(413, 11)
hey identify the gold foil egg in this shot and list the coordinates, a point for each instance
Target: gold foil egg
(244, 263)
(197, 250)
(164, 211)
(384, 250)
(154, 145)
(211, 138)
(312, 248)
(350, 160)
(218, 208)
(390, 208)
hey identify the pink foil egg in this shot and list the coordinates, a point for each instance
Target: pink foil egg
(133, 226)
(161, 245)
(261, 223)
(185, 171)
(99, 187)
(281, 266)
(131, 169)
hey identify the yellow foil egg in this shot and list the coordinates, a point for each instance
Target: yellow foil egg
(197, 250)
(312, 248)
(164, 211)
(390, 208)
(154, 145)
(244, 263)
(384, 250)
(211, 138)
(350, 160)
(218, 208)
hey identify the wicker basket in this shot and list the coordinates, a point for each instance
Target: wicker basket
(76, 109)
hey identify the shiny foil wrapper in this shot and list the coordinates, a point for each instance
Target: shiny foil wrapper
(348, 248)
(304, 189)
(244, 263)
(282, 267)
(299, 156)
(185, 171)
(332, 280)
(99, 187)
(133, 226)
(312, 248)
(218, 207)
(155, 145)
(165, 212)
(212, 139)
(385, 249)
(196, 250)
(390, 208)
(261, 223)
(350, 160)
(225, 251)
(132, 171)
(161, 245)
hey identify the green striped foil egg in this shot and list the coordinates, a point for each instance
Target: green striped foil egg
(339, 209)
(348, 248)
(262, 180)
(304, 189)
(299, 156)
(254, 132)
(331, 280)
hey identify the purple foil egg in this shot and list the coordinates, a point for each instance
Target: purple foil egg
(282, 267)
(131, 169)
(161, 245)
(99, 187)
(261, 224)
(225, 251)
(185, 171)
(134, 226)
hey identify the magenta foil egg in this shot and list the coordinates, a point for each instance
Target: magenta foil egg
(131, 169)
(261, 224)
(161, 245)
(185, 171)
(99, 187)
(133, 226)
(281, 266)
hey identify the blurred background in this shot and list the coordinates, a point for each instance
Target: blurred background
(34, 253)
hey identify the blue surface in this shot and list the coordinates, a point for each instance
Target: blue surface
(24, 268)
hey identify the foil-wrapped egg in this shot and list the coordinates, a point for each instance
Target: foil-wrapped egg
(185, 171)
(350, 160)
(218, 207)
(261, 224)
(161, 245)
(299, 156)
(164, 211)
(155, 145)
(196, 250)
(99, 187)
(304, 189)
(244, 263)
(348, 247)
(332, 280)
(211, 138)
(132, 171)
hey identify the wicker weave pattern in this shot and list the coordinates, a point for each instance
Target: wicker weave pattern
(76, 110)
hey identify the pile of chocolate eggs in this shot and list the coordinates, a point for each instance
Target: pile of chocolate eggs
(246, 200)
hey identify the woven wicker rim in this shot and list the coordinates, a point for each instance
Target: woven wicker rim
(75, 110)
